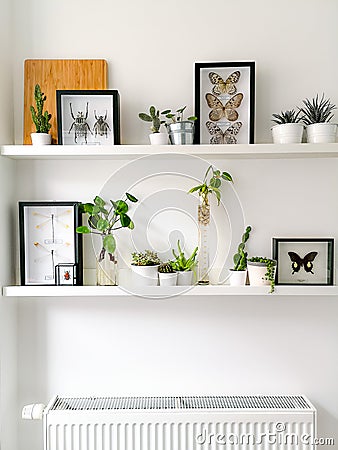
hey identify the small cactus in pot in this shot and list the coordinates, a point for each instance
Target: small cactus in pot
(40, 119)
(167, 275)
(154, 118)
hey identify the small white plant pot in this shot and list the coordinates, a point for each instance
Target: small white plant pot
(168, 279)
(237, 277)
(321, 133)
(145, 275)
(257, 273)
(159, 138)
(41, 138)
(185, 278)
(287, 133)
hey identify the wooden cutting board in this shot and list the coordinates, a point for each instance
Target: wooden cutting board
(53, 74)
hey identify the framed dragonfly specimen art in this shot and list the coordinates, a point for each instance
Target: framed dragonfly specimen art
(47, 239)
(224, 102)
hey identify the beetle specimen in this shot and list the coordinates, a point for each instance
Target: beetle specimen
(101, 127)
(80, 124)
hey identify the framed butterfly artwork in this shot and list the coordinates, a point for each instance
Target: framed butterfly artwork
(224, 102)
(304, 261)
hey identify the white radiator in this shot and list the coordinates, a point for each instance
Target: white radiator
(178, 423)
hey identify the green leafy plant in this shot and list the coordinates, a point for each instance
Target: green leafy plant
(270, 269)
(181, 262)
(166, 268)
(212, 186)
(317, 110)
(146, 258)
(240, 258)
(105, 220)
(41, 119)
(154, 117)
(289, 116)
(178, 115)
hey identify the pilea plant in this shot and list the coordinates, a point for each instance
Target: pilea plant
(181, 262)
(270, 269)
(289, 116)
(317, 110)
(154, 117)
(178, 115)
(103, 220)
(146, 258)
(240, 258)
(166, 267)
(41, 119)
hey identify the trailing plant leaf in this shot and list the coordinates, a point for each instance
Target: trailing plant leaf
(270, 269)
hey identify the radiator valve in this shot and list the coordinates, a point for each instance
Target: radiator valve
(33, 411)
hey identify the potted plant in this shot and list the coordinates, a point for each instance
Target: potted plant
(288, 129)
(156, 138)
(317, 115)
(206, 188)
(239, 271)
(145, 267)
(103, 221)
(262, 271)
(180, 131)
(41, 119)
(184, 266)
(167, 275)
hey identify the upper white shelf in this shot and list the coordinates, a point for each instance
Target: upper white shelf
(239, 151)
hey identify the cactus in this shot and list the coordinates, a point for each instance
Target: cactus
(166, 268)
(240, 258)
(41, 119)
(154, 117)
(182, 263)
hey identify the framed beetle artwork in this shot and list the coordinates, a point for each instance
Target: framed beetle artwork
(304, 261)
(90, 117)
(48, 238)
(224, 102)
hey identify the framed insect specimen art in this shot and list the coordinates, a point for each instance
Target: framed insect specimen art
(90, 117)
(48, 239)
(304, 261)
(224, 102)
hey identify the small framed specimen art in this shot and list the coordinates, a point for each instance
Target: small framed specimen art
(224, 102)
(48, 238)
(304, 261)
(88, 117)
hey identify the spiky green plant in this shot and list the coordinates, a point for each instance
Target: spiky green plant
(146, 258)
(317, 110)
(240, 258)
(288, 116)
(181, 262)
(166, 268)
(154, 117)
(41, 119)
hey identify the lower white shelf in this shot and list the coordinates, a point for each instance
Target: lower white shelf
(158, 292)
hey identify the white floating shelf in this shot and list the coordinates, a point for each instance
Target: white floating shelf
(239, 151)
(158, 292)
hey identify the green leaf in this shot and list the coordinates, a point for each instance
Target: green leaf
(99, 201)
(114, 204)
(166, 111)
(102, 224)
(196, 188)
(145, 117)
(121, 207)
(217, 173)
(226, 176)
(217, 193)
(152, 111)
(88, 208)
(109, 243)
(180, 110)
(131, 198)
(217, 183)
(92, 221)
(96, 209)
(83, 229)
(192, 118)
(131, 225)
(125, 220)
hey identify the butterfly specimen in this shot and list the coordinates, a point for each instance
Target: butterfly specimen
(306, 262)
(219, 110)
(224, 87)
(223, 137)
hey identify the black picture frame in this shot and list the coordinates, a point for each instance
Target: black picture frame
(225, 128)
(48, 237)
(311, 261)
(99, 123)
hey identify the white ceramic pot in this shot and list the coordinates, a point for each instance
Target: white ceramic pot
(159, 138)
(185, 278)
(321, 133)
(287, 133)
(168, 279)
(237, 277)
(257, 273)
(41, 138)
(145, 275)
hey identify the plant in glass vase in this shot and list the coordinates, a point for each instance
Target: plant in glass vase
(206, 188)
(104, 220)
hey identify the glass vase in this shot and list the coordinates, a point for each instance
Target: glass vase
(203, 228)
(106, 269)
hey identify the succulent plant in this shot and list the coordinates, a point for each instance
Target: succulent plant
(178, 115)
(146, 258)
(240, 258)
(166, 268)
(181, 262)
(270, 269)
(288, 116)
(41, 119)
(317, 110)
(154, 117)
